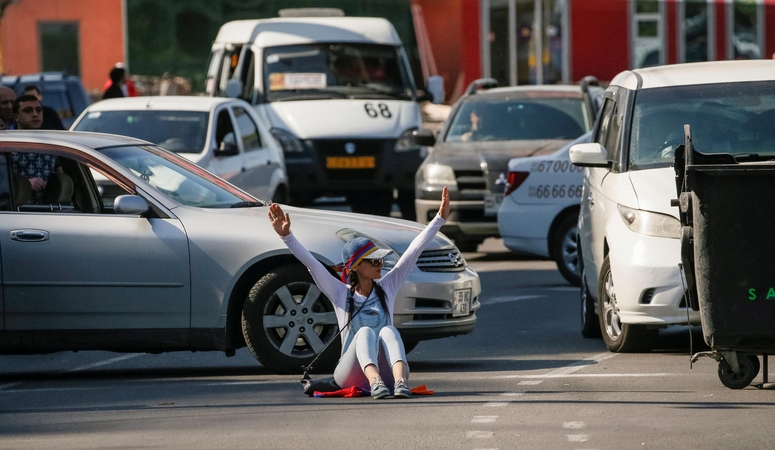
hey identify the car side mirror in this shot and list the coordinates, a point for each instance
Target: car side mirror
(227, 149)
(132, 205)
(424, 137)
(589, 155)
(435, 87)
(233, 88)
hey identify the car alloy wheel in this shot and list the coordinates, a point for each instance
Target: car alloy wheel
(286, 321)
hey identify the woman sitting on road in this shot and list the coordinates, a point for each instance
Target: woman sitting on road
(372, 350)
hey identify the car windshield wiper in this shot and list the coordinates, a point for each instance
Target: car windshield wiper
(247, 204)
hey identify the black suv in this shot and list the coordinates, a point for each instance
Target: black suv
(64, 93)
(486, 128)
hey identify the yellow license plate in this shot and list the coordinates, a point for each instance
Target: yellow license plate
(350, 162)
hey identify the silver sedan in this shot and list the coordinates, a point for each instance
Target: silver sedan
(183, 260)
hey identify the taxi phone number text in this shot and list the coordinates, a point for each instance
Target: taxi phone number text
(555, 166)
(555, 191)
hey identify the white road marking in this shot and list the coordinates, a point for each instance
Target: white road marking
(484, 419)
(6, 386)
(513, 394)
(578, 438)
(530, 382)
(495, 300)
(570, 368)
(496, 404)
(593, 375)
(479, 434)
(574, 425)
(105, 362)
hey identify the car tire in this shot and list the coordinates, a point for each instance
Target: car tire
(619, 337)
(590, 323)
(406, 205)
(565, 249)
(286, 321)
(467, 245)
(377, 203)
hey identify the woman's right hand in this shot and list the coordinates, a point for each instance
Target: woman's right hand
(281, 222)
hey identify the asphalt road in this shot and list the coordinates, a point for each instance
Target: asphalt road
(524, 379)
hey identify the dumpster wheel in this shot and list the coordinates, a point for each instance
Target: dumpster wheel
(749, 368)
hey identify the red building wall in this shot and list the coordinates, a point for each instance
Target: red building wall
(599, 38)
(101, 36)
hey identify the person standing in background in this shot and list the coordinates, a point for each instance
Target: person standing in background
(51, 120)
(129, 89)
(117, 78)
(7, 97)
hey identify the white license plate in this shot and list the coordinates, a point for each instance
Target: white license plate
(461, 304)
(491, 204)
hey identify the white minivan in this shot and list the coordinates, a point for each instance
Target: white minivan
(339, 96)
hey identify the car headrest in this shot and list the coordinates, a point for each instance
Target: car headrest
(59, 188)
(22, 190)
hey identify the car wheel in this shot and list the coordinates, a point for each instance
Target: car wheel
(590, 324)
(467, 245)
(749, 368)
(565, 249)
(406, 205)
(286, 321)
(410, 345)
(619, 337)
(371, 202)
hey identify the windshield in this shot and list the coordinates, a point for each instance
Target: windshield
(734, 118)
(177, 131)
(177, 178)
(338, 70)
(511, 119)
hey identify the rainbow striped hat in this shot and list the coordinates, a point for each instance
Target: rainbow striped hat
(357, 250)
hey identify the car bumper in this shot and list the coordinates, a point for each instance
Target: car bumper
(466, 218)
(525, 228)
(648, 282)
(308, 171)
(423, 308)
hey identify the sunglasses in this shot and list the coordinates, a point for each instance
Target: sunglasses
(376, 262)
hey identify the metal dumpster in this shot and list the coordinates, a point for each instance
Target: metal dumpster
(727, 210)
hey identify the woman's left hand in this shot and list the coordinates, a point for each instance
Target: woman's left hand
(444, 207)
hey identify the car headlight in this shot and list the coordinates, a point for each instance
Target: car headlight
(348, 234)
(406, 142)
(650, 223)
(289, 142)
(439, 174)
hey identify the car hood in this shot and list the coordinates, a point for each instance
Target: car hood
(494, 156)
(654, 189)
(316, 229)
(306, 119)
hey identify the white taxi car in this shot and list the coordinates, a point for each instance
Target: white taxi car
(541, 207)
(629, 233)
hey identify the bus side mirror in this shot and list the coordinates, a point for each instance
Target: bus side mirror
(233, 88)
(435, 85)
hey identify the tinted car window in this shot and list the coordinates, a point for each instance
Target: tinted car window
(177, 131)
(177, 178)
(734, 118)
(250, 137)
(519, 119)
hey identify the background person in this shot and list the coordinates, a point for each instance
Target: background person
(7, 96)
(128, 88)
(51, 120)
(372, 350)
(117, 78)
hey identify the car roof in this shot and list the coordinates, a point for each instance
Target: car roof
(534, 91)
(688, 74)
(79, 138)
(304, 30)
(163, 103)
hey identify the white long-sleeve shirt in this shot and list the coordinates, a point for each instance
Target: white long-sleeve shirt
(337, 291)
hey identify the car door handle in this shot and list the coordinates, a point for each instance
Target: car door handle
(29, 235)
(591, 200)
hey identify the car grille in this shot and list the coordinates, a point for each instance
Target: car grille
(470, 180)
(446, 259)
